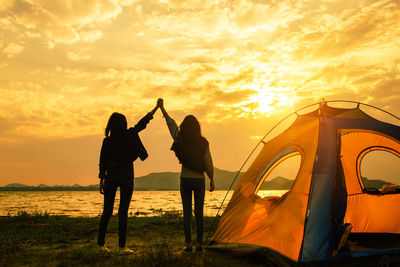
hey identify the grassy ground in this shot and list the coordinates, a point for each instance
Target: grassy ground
(43, 240)
(39, 239)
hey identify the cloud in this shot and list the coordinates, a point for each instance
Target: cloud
(7, 125)
(63, 21)
(387, 88)
(246, 75)
(73, 89)
(231, 97)
(5, 4)
(13, 49)
(256, 15)
(6, 24)
(77, 56)
(346, 28)
(91, 35)
(221, 59)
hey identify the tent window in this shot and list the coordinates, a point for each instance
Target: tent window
(279, 174)
(379, 170)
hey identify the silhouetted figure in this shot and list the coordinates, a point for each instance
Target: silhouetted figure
(120, 148)
(193, 152)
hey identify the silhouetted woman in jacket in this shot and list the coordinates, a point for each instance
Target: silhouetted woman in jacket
(193, 152)
(120, 148)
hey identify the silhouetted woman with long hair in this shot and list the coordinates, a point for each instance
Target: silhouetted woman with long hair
(120, 148)
(193, 152)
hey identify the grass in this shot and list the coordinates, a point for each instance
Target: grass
(38, 239)
(41, 239)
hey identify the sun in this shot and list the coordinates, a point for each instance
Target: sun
(266, 98)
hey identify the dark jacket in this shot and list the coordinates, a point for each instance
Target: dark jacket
(118, 154)
(191, 156)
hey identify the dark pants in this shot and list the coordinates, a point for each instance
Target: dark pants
(198, 187)
(110, 188)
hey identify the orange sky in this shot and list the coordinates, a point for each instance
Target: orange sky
(239, 66)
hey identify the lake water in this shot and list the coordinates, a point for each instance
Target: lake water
(90, 203)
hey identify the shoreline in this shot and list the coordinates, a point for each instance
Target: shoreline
(90, 203)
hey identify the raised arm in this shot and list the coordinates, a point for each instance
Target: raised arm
(141, 125)
(160, 104)
(172, 126)
(154, 110)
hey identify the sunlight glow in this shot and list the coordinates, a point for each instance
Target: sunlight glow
(267, 97)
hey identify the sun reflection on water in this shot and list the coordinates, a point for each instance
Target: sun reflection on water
(90, 203)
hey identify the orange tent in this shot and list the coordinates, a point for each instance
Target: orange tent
(306, 223)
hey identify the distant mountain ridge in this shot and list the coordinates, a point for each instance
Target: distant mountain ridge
(152, 181)
(16, 185)
(278, 183)
(170, 181)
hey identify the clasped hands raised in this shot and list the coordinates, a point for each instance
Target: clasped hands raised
(160, 104)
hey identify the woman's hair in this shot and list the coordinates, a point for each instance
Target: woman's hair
(190, 131)
(116, 124)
